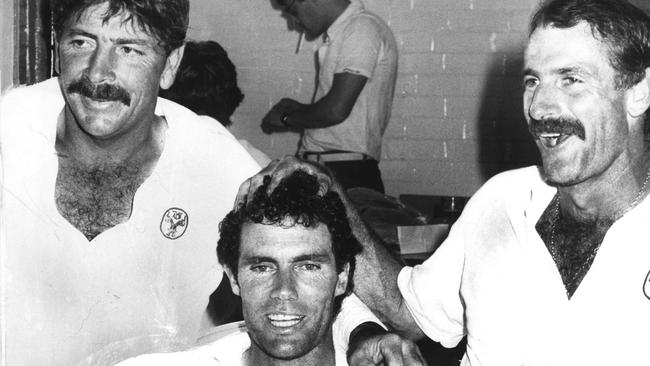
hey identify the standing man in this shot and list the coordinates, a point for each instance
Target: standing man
(547, 265)
(343, 128)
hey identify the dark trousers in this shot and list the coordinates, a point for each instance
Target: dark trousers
(357, 173)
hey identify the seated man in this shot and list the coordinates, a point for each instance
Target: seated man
(290, 256)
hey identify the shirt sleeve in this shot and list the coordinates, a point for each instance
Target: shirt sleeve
(432, 291)
(361, 48)
(353, 313)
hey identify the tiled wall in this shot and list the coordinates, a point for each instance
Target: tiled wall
(457, 116)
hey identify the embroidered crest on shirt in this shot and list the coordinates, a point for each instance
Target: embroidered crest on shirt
(174, 223)
(646, 286)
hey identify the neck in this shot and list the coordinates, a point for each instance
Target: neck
(323, 354)
(140, 146)
(337, 8)
(610, 195)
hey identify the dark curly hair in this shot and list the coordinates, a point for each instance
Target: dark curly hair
(165, 20)
(206, 82)
(295, 198)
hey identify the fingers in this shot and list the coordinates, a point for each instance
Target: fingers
(251, 184)
(411, 354)
(388, 349)
(279, 170)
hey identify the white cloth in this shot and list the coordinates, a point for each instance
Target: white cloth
(358, 42)
(131, 289)
(227, 351)
(232, 340)
(260, 157)
(494, 280)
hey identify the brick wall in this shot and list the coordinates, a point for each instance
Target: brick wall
(457, 116)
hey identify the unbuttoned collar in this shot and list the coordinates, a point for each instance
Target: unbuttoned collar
(354, 8)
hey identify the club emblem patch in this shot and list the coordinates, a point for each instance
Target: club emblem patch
(646, 286)
(174, 223)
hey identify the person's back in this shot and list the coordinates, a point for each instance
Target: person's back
(206, 83)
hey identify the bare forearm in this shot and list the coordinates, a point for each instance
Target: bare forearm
(375, 278)
(317, 115)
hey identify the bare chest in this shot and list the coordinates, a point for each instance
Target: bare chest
(94, 199)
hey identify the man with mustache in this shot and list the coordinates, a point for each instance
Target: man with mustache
(110, 195)
(290, 257)
(546, 265)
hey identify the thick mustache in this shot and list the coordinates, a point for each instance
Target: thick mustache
(561, 125)
(106, 92)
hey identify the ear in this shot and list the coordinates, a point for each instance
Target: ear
(638, 97)
(342, 282)
(171, 67)
(233, 280)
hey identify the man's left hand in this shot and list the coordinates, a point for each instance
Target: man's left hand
(272, 122)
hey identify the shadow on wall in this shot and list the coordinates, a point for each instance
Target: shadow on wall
(504, 140)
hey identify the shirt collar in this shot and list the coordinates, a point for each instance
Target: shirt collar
(355, 7)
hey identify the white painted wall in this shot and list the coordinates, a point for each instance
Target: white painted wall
(6, 43)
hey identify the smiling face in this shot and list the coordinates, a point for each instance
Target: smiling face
(287, 280)
(111, 73)
(577, 115)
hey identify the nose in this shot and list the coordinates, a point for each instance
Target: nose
(284, 286)
(101, 66)
(544, 102)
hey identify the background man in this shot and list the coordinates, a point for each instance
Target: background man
(343, 128)
(549, 265)
(206, 83)
(290, 256)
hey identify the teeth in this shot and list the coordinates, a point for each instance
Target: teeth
(283, 320)
(549, 139)
(549, 135)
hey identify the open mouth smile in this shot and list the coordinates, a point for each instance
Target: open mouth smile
(284, 320)
(551, 140)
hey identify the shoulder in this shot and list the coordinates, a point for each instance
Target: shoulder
(511, 181)
(204, 138)
(368, 23)
(171, 359)
(27, 102)
(28, 114)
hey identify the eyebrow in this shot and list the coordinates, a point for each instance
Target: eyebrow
(118, 41)
(561, 71)
(316, 257)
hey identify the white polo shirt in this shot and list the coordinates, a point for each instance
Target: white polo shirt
(494, 280)
(361, 43)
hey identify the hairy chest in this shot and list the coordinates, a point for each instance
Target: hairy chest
(94, 199)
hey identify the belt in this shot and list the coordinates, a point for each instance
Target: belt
(325, 156)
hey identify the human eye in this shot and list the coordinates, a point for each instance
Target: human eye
(80, 43)
(130, 51)
(530, 82)
(261, 268)
(570, 80)
(309, 267)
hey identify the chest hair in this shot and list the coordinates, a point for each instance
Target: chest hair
(573, 244)
(96, 198)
